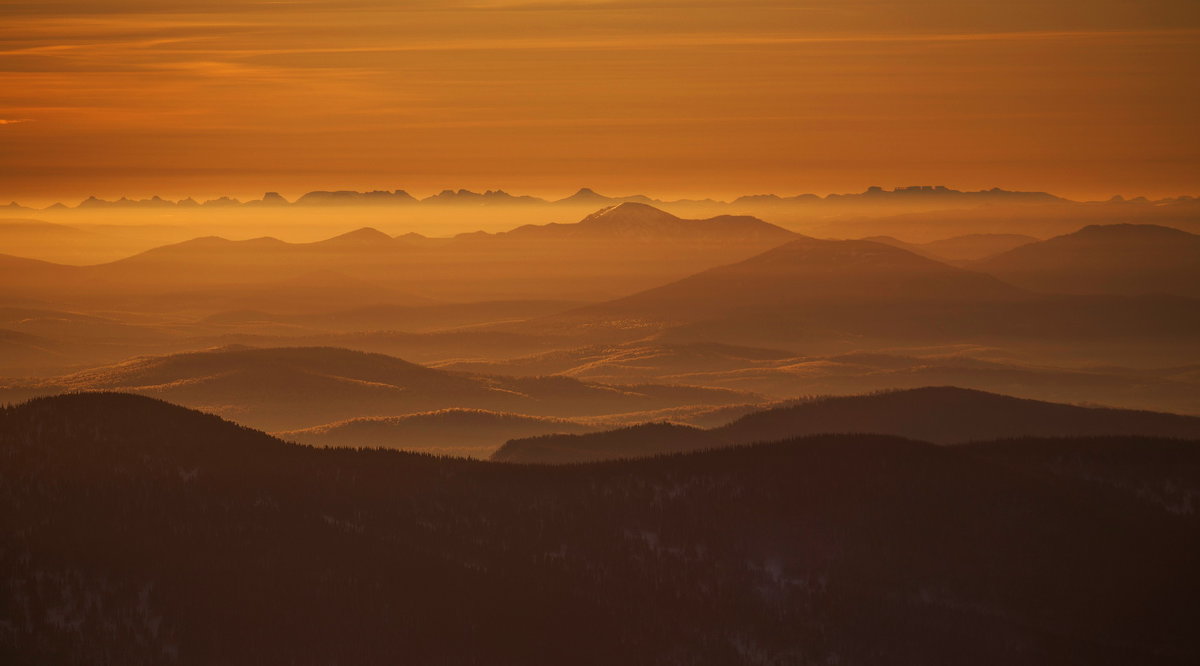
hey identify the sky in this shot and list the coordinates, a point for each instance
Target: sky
(665, 97)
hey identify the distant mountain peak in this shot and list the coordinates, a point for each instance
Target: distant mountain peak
(1148, 231)
(628, 212)
(365, 235)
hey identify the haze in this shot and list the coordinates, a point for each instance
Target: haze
(602, 333)
(695, 98)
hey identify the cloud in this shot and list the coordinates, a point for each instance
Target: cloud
(14, 121)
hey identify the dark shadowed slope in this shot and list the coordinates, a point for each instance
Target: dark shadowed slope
(640, 441)
(827, 296)
(812, 271)
(196, 541)
(808, 286)
(298, 387)
(1105, 259)
(944, 415)
(970, 247)
(463, 432)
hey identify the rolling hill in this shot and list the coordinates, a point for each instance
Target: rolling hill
(460, 432)
(784, 374)
(943, 415)
(147, 532)
(1105, 259)
(799, 290)
(300, 387)
(640, 222)
(617, 250)
(970, 247)
(829, 297)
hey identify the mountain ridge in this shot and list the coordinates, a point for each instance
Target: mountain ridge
(188, 534)
(942, 415)
(1110, 258)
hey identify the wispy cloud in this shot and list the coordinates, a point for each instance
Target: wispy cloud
(14, 121)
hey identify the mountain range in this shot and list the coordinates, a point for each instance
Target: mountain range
(1105, 259)
(943, 415)
(291, 388)
(146, 532)
(960, 248)
(827, 296)
(584, 197)
(618, 249)
(473, 433)
(786, 374)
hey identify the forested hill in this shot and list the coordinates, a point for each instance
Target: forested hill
(140, 532)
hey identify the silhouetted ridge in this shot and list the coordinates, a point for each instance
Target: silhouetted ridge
(288, 388)
(945, 415)
(349, 197)
(365, 235)
(146, 533)
(872, 196)
(1113, 258)
(630, 213)
(812, 271)
(633, 442)
(96, 420)
(642, 222)
(476, 432)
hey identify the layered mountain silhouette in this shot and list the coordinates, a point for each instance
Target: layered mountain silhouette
(146, 529)
(1105, 259)
(289, 388)
(944, 415)
(812, 271)
(618, 249)
(639, 441)
(786, 374)
(913, 196)
(804, 289)
(966, 248)
(351, 198)
(1040, 220)
(829, 296)
(412, 318)
(634, 359)
(460, 432)
(641, 222)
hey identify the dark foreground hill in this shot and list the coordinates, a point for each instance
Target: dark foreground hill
(137, 532)
(940, 414)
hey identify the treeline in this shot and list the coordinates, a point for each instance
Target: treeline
(140, 532)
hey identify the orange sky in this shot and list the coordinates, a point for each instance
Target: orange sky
(667, 97)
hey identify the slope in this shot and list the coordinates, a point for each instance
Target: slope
(148, 533)
(944, 415)
(1105, 259)
(298, 387)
